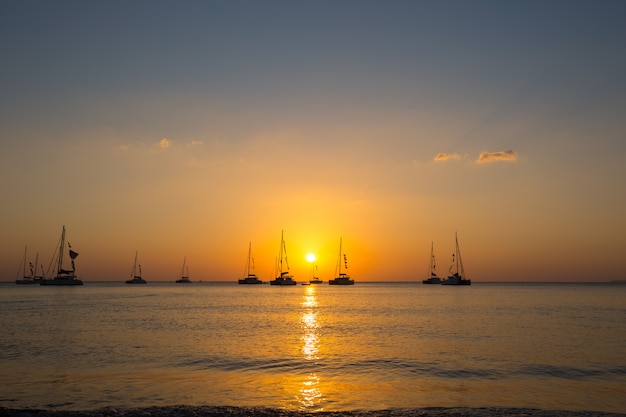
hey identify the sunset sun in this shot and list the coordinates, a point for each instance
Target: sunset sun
(310, 257)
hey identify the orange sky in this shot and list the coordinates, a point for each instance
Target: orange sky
(193, 132)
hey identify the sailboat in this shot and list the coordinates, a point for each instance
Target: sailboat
(251, 277)
(432, 273)
(458, 276)
(184, 274)
(28, 278)
(314, 279)
(134, 278)
(64, 276)
(342, 278)
(284, 278)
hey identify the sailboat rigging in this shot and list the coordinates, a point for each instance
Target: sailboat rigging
(342, 277)
(250, 277)
(432, 273)
(30, 277)
(184, 273)
(64, 276)
(284, 278)
(458, 276)
(134, 278)
(314, 278)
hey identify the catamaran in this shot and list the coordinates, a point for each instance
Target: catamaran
(342, 278)
(432, 273)
(251, 277)
(184, 274)
(134, 278)
(458, 276)
(284, 278)
(64, 276)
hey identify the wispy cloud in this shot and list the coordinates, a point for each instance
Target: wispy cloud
(487, 157)
(197, 142)
(164, 143)
(447, 157)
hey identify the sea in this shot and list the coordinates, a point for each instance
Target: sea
(317, 348)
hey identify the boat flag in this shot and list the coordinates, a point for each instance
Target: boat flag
(73, 254)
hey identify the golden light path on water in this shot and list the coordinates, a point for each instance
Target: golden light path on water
(310, 393)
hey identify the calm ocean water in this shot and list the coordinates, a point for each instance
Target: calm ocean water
(366, 347)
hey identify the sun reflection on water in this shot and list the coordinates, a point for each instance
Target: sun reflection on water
(310, 397)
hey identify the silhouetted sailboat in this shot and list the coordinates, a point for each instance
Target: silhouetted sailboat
(458, 276)
(64, 276)
(250, 277)
(28, 278)
(342, 278)
(314, 279)
(284, 278)
(432, 273)
(184, 273)
(134, 278)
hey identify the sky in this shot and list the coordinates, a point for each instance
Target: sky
(192, 128)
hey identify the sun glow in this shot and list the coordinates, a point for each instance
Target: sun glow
(310, 257)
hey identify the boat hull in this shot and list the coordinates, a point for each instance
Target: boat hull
(432, 281)
(453, 280)
(136, 281)
(250, 281)
(341, 281)
(62, 281)
(283, 281)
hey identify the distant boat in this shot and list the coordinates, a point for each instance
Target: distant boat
(251, 277)
(284, 278)
(458, 276)
(342, 278)
(184, 274)
(64, 276)
(31, 277)
(134, 278)
(314, 279)
(432, 273)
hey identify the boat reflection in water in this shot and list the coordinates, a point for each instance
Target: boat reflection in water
(310, 397)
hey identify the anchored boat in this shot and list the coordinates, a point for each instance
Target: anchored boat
(184, 273)
(342, 278)
(251, 277)
(284, 278)
(134, 278)
(458, 276)
(432, 273)
(64, 276)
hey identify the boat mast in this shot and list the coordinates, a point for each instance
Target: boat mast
(133, 274)
(182, 271)
(282, 247)
(459, 261)
(60, 265)
(339, 258)
(24, 271)
(249, 257)
(431, 263)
